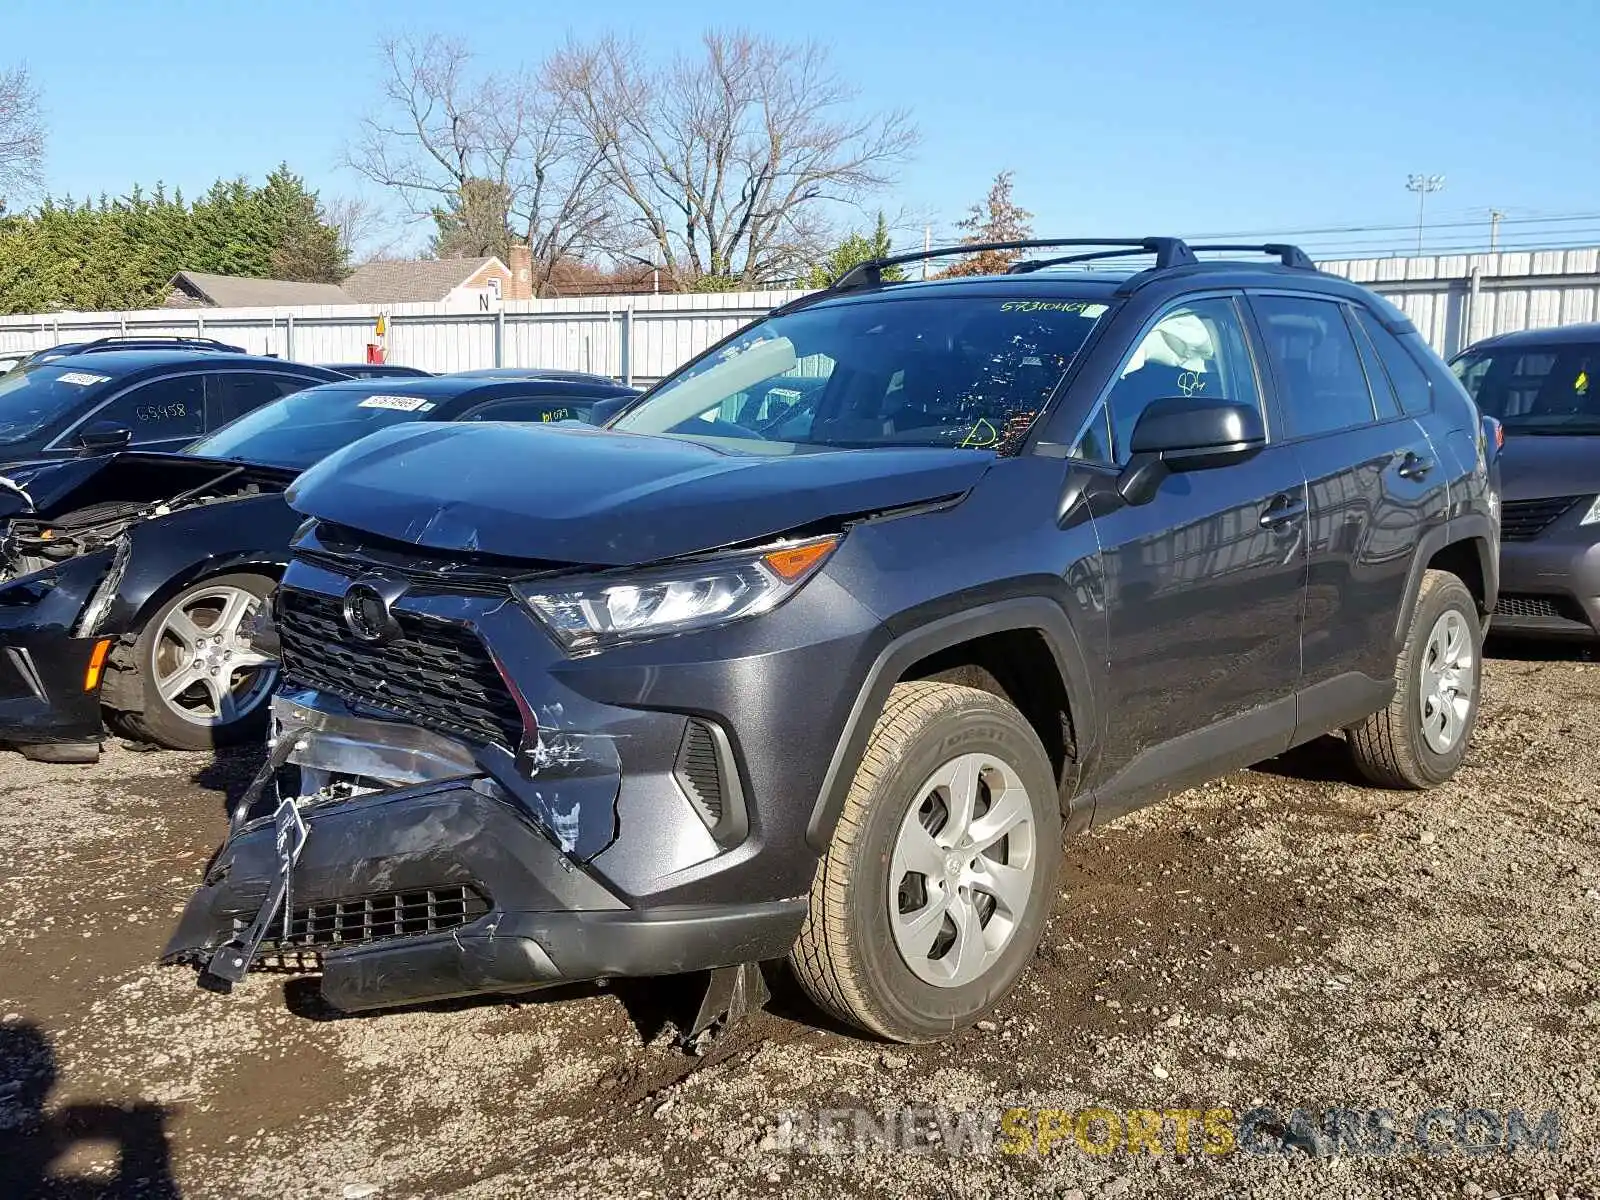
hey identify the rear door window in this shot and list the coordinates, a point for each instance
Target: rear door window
(1410, 381)
(1378, 381)
(1317, 365)
(163, 410)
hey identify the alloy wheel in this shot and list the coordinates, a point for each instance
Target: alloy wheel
(206, 671)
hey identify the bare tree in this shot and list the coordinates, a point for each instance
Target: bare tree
(21, 134)
(728, 160)
(446, 135)
(366, 229)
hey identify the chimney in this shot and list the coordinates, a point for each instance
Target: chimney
(521, 273)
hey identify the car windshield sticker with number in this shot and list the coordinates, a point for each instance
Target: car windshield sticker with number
(397, 403)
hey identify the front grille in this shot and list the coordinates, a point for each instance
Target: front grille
(698, 773)
(436, 673)
(353, 552)
(1560, 607)
(317, 927)
(1524, 520)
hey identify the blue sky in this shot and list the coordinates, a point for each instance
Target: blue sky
(1130, 117)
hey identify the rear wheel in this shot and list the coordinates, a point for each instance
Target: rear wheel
(204, 685)
(934, 892)
(1420, 739)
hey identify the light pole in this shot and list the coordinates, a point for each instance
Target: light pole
(1422, 185)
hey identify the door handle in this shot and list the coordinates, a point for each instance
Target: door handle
(1281, 510)
(1414, 467)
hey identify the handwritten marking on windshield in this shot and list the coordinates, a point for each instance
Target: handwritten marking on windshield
(1061, 306)
(980, 435)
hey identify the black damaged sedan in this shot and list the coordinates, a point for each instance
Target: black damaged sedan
(129, 582)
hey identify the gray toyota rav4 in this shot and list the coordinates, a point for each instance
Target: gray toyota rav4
(820, 648)
(1543, 385)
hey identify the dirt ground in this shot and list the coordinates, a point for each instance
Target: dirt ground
(1280, 939)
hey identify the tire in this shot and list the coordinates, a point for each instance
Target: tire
(856, 950)
(156, 659)
(1402, 746)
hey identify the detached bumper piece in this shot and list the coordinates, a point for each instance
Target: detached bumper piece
(50, 691)
(446, 890)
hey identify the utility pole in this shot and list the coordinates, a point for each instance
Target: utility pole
(1423, 185)
(1495, 217)
(927, 244)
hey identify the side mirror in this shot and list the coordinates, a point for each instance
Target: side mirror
(104, 437)
(1181, 433)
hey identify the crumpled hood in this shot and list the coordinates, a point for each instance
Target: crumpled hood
(606, 499)
(1533, 467)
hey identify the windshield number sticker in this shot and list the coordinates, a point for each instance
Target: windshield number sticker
(1062, 306)
(81, 378)
(161, 412)
(396, 403)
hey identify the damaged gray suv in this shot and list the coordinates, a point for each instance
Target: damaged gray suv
(819, 649)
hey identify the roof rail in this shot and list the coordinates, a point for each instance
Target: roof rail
(123, 341)
(1289, 256)
(1169, 252)
(1029, 266)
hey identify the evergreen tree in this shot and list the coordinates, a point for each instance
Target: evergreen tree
(120, 253)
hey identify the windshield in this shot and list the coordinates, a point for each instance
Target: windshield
(32, 398)
(1550, 390)
(970, 373)
(303, 427)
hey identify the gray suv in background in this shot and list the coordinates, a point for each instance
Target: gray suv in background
(1544, 387)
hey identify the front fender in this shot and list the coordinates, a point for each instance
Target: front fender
(169, 553)
(1036, 613)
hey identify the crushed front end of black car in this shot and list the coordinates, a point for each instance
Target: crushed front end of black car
(52, 654)
(73, 581)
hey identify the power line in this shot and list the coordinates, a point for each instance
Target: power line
(1332, 254)
(1481, 223)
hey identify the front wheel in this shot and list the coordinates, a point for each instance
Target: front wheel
(204, 685)
(934, 892)
(1420, 739)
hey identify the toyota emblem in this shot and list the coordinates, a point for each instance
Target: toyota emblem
(367, 614)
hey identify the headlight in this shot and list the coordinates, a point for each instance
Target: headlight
(1592, 517)
(592, 614)
(105, 592)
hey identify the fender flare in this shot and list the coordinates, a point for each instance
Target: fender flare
(1474, 528)
(1002, 616)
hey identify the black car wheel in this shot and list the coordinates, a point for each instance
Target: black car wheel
(934, 892)
(203, 684)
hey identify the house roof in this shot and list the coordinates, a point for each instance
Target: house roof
(232, 291)
(422, 279)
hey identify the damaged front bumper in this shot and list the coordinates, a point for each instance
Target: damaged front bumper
(50, 667)
(428, 870)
